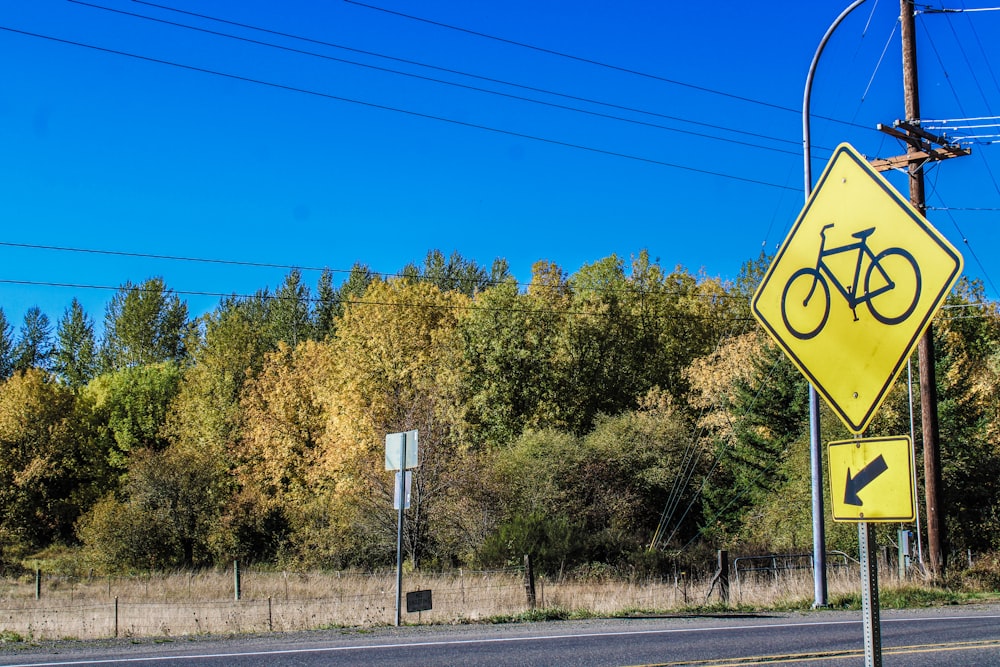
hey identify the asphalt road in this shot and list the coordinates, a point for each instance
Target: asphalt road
(951, 635)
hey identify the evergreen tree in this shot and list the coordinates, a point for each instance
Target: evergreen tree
(289, 311)
(966, 338)
(143, 324)
(749, 279)
(499, 272)
(454, 274)
(330, 301)
(75, 356)
(325, 312)
(410, 273)
(769, 413)
(354, 288)
(34, 346)
(6, 347)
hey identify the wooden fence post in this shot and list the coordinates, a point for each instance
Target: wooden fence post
(724, 576)
(529, 582)
(236, 580)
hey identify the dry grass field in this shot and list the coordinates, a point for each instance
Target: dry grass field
(203, 602)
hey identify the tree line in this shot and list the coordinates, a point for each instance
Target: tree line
(583, 418)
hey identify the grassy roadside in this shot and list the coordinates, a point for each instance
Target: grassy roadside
(904, 597)
(179, 604)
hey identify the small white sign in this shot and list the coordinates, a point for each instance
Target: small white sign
(395, 496)
(394, 446)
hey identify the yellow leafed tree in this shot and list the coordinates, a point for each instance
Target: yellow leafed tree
(398, 365)
(317, 416)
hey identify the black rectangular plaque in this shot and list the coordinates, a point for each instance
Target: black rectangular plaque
(418, 601)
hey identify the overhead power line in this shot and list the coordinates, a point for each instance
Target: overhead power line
(958, 120)
(177, 258)
(367, 302)
(392, 109)
(961, 208)
(959, 42)
(443, 82)
(598, 63)
(935, 10)
(971, 250)
(878, 65)
(471, 75)
(962, 127)
(294, 267)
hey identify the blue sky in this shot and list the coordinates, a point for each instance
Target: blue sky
(555, 130)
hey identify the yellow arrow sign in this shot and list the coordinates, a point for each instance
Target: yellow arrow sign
(872, 479)
(854, 286)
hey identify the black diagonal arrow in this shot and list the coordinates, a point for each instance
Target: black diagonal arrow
(864, 477)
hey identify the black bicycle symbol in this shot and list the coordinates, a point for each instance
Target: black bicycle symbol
(891, 269)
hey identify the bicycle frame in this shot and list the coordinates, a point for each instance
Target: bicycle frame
(850, 294)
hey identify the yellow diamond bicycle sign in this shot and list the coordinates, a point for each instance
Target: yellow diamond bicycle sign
(854, 286)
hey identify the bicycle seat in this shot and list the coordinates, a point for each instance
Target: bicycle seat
(863, 234)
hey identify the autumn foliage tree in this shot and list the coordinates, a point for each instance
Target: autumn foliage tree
(397, 364)
(579, 417)
(47, 475)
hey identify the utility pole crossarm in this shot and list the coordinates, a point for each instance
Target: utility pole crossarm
(941, 153)
(914, 130)
(922, 147)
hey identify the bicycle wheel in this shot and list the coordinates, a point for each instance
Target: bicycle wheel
(804, 308)
(892, 285)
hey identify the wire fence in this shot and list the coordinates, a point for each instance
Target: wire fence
(179, 603)
(51, 606)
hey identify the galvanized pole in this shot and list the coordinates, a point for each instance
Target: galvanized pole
(869, 594)
(237, 588)
(399, 531)
(913, 439)
(815, 446)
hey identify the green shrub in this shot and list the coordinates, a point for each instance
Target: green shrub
(551, 542)
(983, 576)
(10, 637)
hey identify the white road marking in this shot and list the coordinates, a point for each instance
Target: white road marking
(493, 640)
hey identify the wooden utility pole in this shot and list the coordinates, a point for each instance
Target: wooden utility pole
(920, 151)
(922, 148)
(925, 348)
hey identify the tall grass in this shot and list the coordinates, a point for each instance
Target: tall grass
(203, 602)
(196, 602)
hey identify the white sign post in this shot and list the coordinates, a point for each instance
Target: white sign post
(400, 454)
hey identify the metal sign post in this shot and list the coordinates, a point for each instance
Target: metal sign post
(815, 446)
(871, 481)
(847, 297)
(400, 454)
(399, 547)
(869, 594)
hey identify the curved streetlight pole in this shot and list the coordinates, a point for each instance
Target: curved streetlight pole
(815, 447)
